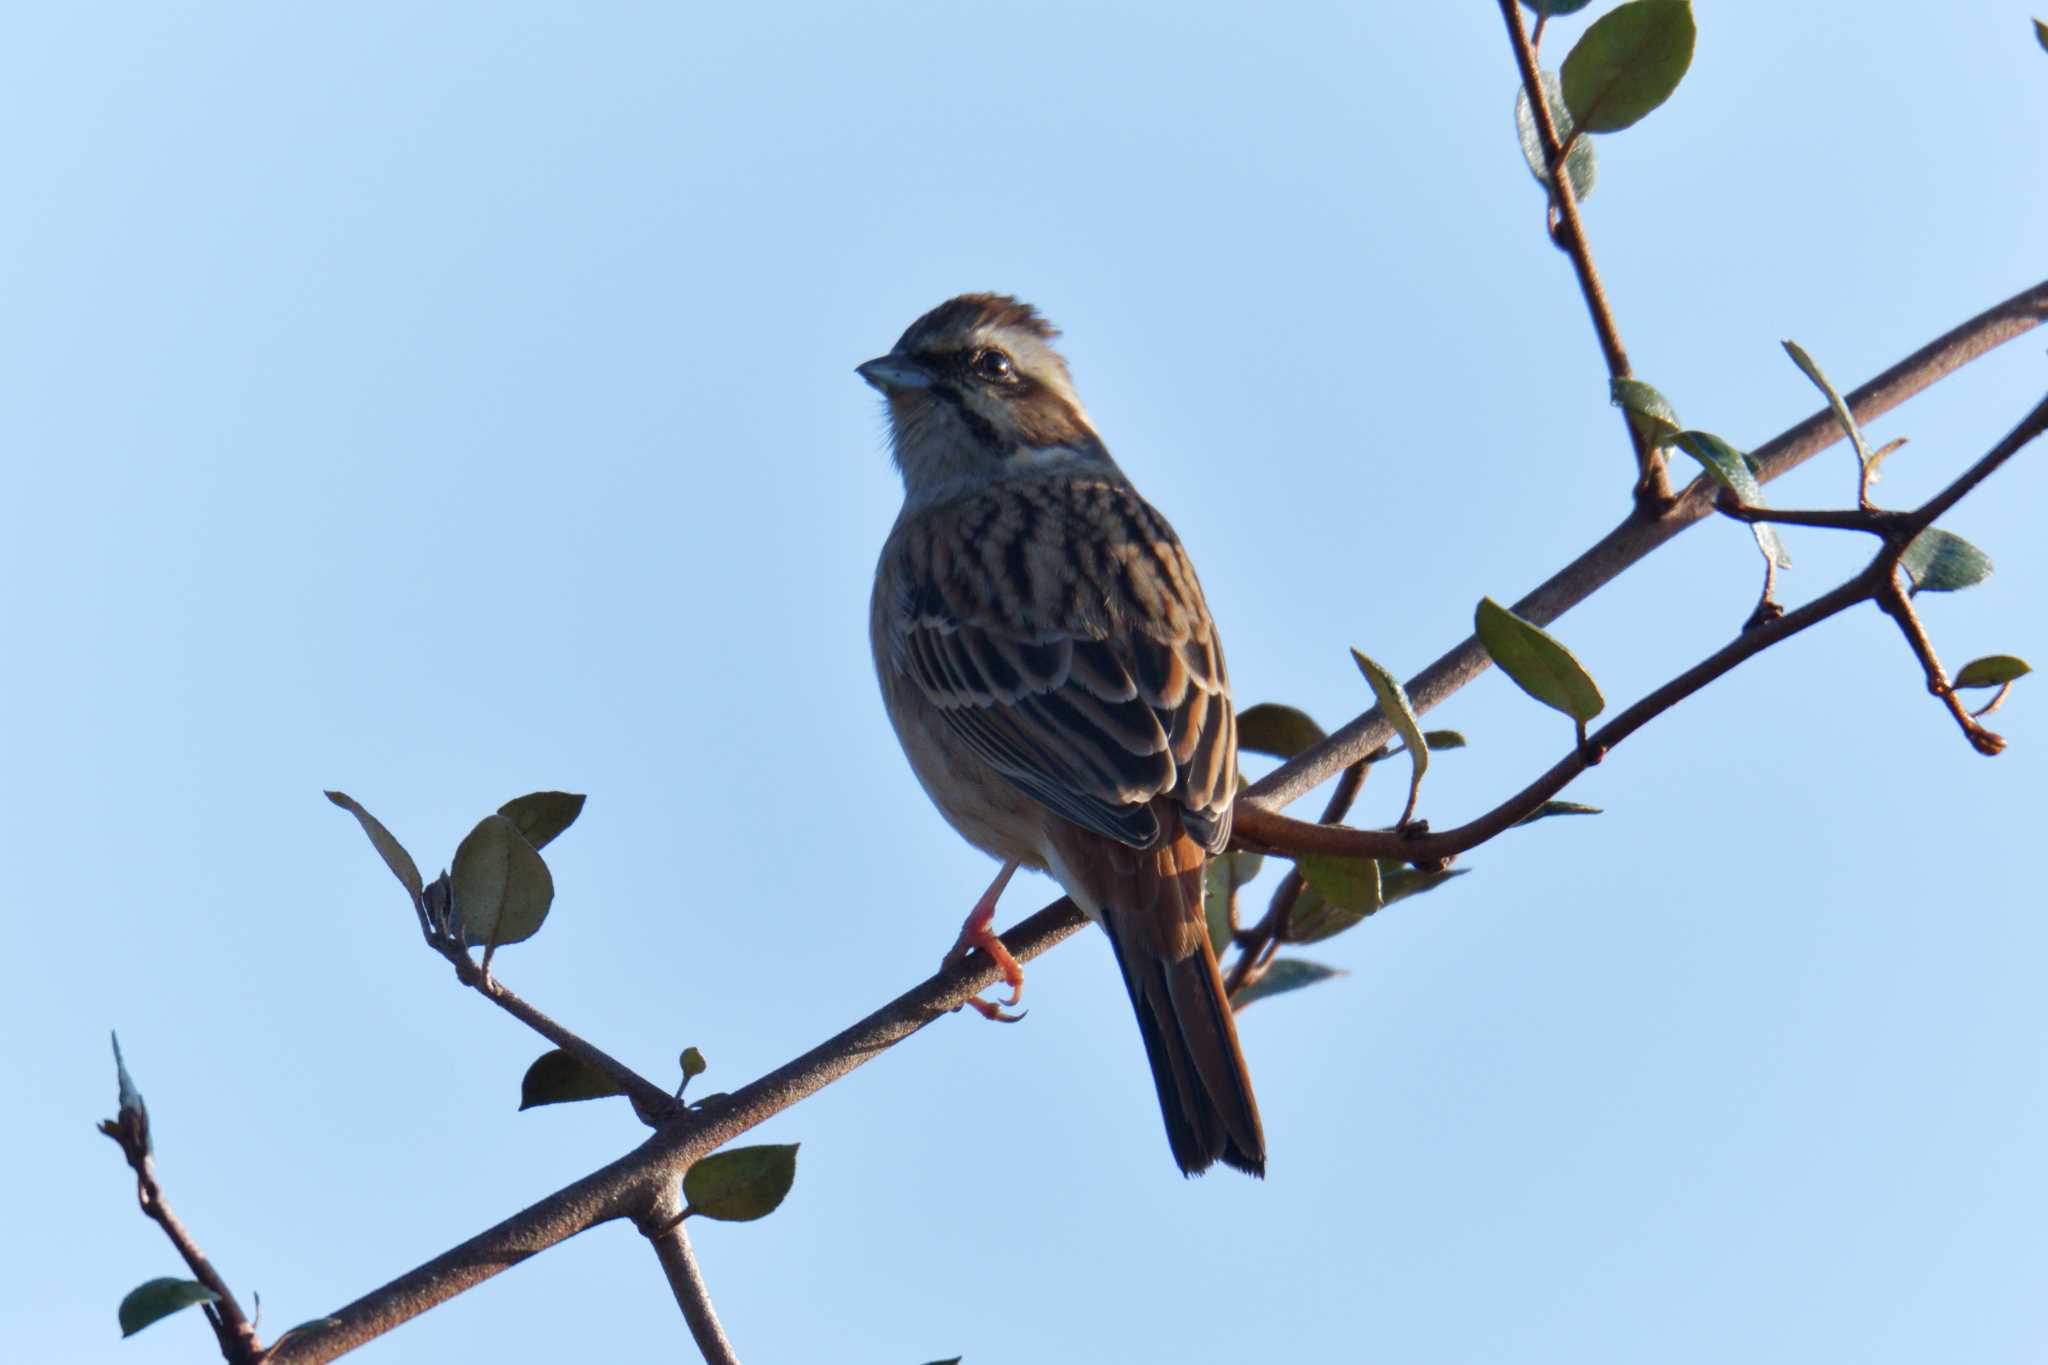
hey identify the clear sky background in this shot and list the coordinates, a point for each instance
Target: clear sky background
(441, 403)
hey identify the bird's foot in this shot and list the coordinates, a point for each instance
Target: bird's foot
(979, 933)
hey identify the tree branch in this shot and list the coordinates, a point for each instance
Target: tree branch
(444, 934)
(636, 1184)
(1638, 535)
(237, 1336)
(1653, 487)
(679, 1264)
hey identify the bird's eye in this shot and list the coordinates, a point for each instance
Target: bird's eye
(992, 365)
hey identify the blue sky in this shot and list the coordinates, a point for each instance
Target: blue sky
(442, 403)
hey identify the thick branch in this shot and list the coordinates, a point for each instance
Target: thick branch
(635, 1184)
(1638, 535)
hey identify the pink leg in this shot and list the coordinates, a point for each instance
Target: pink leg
(979, 932)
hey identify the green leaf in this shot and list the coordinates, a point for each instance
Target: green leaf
(1312, 919)
(742, 1184)
(1283, 974)
(1394, 705)
(559, 1077)
(1555, 7)
(1281, 731)
(1649, 411)
(1939, 562)
(155, 1299)
(128, 1097)
(1221, 878)
(1731, 469)
(693, 1064)
(1845, 418)
(1339, 892)
(540, 816)
(1628, 63)
(1538, 664)
(2041, 34)
(502, 886)
(1993, 670)
(1550, 808)
(389, 849)
(1439, 740)
(1398, 881)
(1580, 167)
(950, 1360)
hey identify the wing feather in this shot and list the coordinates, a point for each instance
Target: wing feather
(1058, 629)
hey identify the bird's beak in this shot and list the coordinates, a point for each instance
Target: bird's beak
(892, 374)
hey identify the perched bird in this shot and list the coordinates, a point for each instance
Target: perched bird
(1053, 675)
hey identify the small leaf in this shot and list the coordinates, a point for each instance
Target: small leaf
(1939, 562)
(155, 1299)
(1312, 918)
(389, 849)
(1339, 892)
(502, 886)
(1538, 664)
(1843, 417)
(1580, 167)
(949, 1360)
(2041, 34)
(559, 1077)
(1628, 63)
(1394, 705)
(1731, 469)
(1352, 883)
(1281, 731)
(742, 1184)
(1993, 670)
(1283, 974)
(127, 1095)
(693, 1063)
(540, 816)
(1399, 881)
(1221, 878)
(1550, 808)
(1555, 7)
(1649, 411)
(1871, 468)
(1440, 740)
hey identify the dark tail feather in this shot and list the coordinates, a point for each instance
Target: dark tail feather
(1190, 1037)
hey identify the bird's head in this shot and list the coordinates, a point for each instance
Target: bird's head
(976, 392)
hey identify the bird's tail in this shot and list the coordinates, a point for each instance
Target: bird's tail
(1154, 917)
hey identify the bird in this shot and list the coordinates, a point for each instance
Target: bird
(1050, 667)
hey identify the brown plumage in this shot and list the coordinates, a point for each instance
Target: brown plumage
(1051, 668)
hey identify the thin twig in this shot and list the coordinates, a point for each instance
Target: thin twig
(1637, 536)
(1875, 520)
(236, 1334)
(679, 1264)
(1900, 608)
(1653, 487)
(444, 934)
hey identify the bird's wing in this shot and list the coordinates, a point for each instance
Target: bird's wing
(1058, 628)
